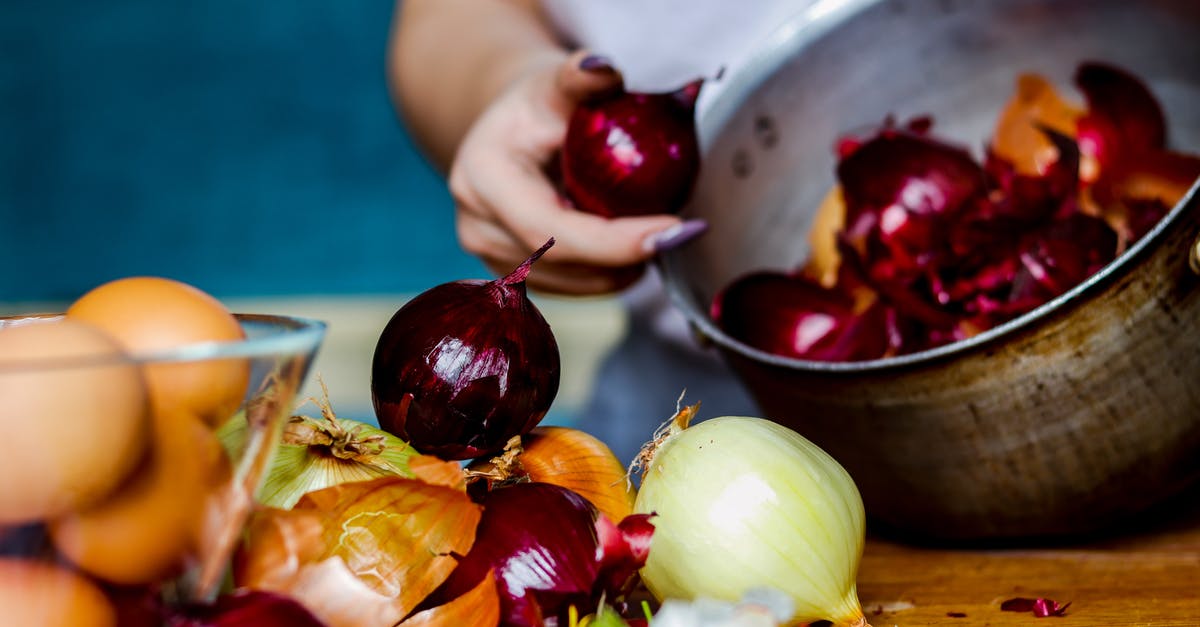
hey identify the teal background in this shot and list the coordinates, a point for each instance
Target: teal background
(248, 148)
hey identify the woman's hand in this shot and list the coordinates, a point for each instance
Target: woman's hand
(507, 207)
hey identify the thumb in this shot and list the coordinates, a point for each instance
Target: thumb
(584, 75)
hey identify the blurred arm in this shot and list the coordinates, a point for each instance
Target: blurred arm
(448, 59)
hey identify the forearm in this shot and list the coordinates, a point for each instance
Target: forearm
(448, 59)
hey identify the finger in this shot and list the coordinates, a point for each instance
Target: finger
(491, 243)
(574, 280)
(585, 75)
(581, 237)
(501, 254)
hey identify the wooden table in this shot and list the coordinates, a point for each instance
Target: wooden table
(1147, 577)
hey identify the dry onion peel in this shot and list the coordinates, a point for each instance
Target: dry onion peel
(478, 607)
(360, 553)
(317, 453)
(742, 503)
(565, 457)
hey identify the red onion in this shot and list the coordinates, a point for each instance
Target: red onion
(549, 549)
(796, 317)
(1025, 198)
(631, 153)
(245, 608)
(466, 365)
(902, 191)
(1123, 117)
(949, 248)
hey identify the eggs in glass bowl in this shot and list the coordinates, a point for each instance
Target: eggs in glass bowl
(115, 476)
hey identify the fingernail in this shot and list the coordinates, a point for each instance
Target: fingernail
(675, 236)
(596, 63)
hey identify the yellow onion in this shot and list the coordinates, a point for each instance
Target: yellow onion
(742, 503)
(569, 458)
(317, 453)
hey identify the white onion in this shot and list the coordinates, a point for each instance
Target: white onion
(743, 503)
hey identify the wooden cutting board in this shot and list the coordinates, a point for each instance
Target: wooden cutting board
(1149, 577)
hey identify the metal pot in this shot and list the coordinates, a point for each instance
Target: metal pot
(1069, 419)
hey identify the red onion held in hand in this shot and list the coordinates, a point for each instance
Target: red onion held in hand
(466, 365)
(549, 549)
(632, 153)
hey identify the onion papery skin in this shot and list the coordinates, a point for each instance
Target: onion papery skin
(580, 462)
(743, 503)
(316, 454)
(466, 365)
(632, 153)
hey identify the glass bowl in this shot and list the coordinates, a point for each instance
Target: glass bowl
(138, 505)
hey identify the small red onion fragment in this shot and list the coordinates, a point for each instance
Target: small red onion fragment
(1039, 607)
(465, 366)
(631, 153)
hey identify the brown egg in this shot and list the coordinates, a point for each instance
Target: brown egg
(46, 595)
(145, 532)
(151, 314)
(73, 417)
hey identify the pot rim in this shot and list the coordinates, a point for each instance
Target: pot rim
(782, 46)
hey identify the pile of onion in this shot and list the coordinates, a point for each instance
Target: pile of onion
(920, 245)
(367, 525)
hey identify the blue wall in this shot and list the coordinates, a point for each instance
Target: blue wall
(248, 148)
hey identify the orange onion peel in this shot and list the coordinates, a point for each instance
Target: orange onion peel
(360, 553)
(1018, 138)
(566, 457)
(478, 607)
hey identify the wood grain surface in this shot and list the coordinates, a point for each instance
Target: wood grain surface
(1149, 576)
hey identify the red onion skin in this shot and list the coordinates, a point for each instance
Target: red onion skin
(1123, 117)
(903, 190)
(631, 153)
(541, 541)
(952, 248)
(245, 608)
(549, 548)
(794, 316)
(466, 365)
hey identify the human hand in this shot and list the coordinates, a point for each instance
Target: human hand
(507, 207)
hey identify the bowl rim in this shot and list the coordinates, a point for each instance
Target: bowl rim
(778, 49)
(284, 335)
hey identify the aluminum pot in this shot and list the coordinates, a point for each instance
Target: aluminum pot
(1067, 420)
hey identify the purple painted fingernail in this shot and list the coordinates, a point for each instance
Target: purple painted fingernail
(596, 63)
(675, 236)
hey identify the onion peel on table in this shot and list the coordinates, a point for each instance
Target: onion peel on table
(360, 553)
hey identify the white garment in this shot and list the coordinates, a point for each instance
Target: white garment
(659, 45)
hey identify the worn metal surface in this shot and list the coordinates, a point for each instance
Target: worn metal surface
(1066, 420)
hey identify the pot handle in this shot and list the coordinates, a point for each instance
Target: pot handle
(1194, 255)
